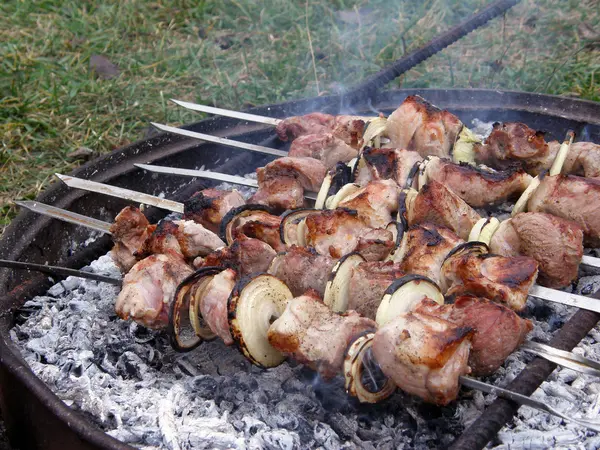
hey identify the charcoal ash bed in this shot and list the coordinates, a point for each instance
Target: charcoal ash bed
(431, 414)
(137, 389)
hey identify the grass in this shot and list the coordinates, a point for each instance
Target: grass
(239, 53)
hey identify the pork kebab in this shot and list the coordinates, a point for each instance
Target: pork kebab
(417, 343)
(420, 126)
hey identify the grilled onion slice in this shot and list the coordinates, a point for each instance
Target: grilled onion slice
(345, 191)
(340, 175)
(404, 294)
(466, 248)
(363, 377)
(230, 221)
(463, 147)
(252, 306)
(374, 132)
(186, 331)
(338, 285)
(292, 229)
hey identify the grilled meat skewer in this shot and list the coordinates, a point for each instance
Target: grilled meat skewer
(418, 125)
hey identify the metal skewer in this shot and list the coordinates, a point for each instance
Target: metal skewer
(228, 113)
(241, 115)
(220, 140)
(234, 179)
(60, 271)
(527, 401)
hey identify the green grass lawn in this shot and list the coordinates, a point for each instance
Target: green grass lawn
(240, 53)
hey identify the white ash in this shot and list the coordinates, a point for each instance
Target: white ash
(137, 389)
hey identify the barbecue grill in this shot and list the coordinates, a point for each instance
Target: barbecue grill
(36, 418)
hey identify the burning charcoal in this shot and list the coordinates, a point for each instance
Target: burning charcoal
(344, 426)
(325, 436)
(131, 365)
(275, 440)
(204, 386)
(259, 396)
(588, 285)
(298, 404)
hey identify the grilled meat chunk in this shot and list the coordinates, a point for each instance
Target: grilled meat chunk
(259, 225)
(213, 304)
(512, 144)
(282, 182)
(337, 232)
(420, 126)
(555, 243)
(498, 330)
(186, 237)
(386, 164)
(502, 279)
(375, 244)
(375, 203)
(245, 255)
(583, 159)
(148, 289)
(424, 355)
(302, 269)
(347, 128)
(314, 335)
(209, 206)
(477, 187)
(437, 204)
(129, 232)
(573, 198)
(368, 282)
(424, 248)
(325, 147)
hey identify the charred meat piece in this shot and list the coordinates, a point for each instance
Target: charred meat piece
(477, 187)
(424, 248)
(573, 198)
(498, 330)
(325, 147)
(418, 125)
(347, 128)
(209, 206)
(245, 255)
(282, 182)
(337, 232)
(148, 289)
(387, 164)
(314, 335)
(505, 280)
(375, 203)
(555, 243)
(375, 244)
(129, 232)
(259, 225)
(280, 193)
(513, 144)
(302, 269)
(424, 355)
(583, 159)
(437, 204)
(368, 282)
(213, 304)
(186, 237)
